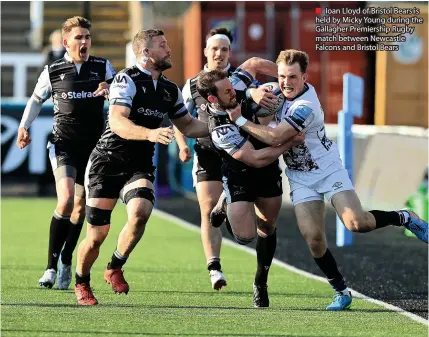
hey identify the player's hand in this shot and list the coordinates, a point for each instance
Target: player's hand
(161, 135)
(298, 139)
(23, 138)
(263, 96)
(185, 154)
(234, 113)
(102, 90)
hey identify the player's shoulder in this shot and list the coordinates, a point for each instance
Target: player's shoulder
(168, 83)
(56, 64)
(224, 132)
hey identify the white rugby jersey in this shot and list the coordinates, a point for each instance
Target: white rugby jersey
(318, 157)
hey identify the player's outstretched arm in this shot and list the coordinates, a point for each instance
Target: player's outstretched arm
(271, 136)
(263, 157)
(191, 127)
(257, 65)
(125, 128)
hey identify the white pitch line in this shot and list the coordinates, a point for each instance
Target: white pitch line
(190, 226)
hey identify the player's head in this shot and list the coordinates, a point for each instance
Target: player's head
(77, 37)
(150, 47)
(218, 48)
(56, 39)
(216, 88)
(292, 70)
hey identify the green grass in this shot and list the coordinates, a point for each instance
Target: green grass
(170, 292)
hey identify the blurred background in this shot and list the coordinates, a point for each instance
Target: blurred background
(392, 129)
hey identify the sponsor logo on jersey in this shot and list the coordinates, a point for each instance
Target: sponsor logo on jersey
(150, 112)
(56, 64)
(337, 185)
(98, 61)
(76, 95)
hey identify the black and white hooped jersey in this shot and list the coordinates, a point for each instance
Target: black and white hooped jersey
(319, 154)
(78, 115)
(226, 136)
(150, 101)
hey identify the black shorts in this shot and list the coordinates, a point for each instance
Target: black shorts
(68, 154)
(207, 165)
(106, 175)
(248, 185)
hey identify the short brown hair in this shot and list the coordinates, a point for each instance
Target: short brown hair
(75, 21)
(143, 39)
(291, 56)
(206, 84)
(221, 30)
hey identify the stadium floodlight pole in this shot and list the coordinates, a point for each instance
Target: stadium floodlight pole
(352, 107)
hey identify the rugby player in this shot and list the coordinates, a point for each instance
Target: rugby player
(207, 175)
(77, 84)
(250, 169)
(314, 170)
(121, 165)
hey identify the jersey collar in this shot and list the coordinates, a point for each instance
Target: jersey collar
(225, 69)
(143, 70)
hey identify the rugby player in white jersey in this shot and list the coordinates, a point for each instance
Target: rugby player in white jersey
(314, 170)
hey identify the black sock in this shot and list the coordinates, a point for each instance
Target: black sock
(329, 267)
(214, 264)
(71, 242)
(117, 261)
(83, 279)
(265, 249)
(58, 232)
(383, 219)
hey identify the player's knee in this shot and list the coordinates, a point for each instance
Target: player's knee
(356, 223)
(206, 206)
(65, 204)
(267, 225)
(316, 243)
(243, 240)
(138, 220)
(97, 217)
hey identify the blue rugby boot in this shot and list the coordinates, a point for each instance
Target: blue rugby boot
(417, 226)
(340, 302)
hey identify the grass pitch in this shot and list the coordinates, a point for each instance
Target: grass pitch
(170, 291)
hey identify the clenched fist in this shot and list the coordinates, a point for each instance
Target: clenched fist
(23, 138)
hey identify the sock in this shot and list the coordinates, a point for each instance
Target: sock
(58, 232)
(117, 261)
(71, 242)
(82, 279)
(265, 249)
(328, 266)
(383, 219)
(214, 264)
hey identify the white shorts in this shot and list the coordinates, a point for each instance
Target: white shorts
(337, 181)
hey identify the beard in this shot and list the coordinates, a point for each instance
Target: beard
(229, 105)
(162, 64)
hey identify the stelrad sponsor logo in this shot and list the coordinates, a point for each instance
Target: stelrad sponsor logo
(76, 95)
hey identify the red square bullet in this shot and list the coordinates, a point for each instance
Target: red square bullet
(319, 10)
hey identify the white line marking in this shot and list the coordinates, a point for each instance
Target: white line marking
(291, 268)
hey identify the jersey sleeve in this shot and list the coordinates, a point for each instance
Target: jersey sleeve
(110, 71)
(227, 137)
(241, 79)
(122, 90)
(179, 108)
(301, 115)
(187, 97)
(43, 89)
